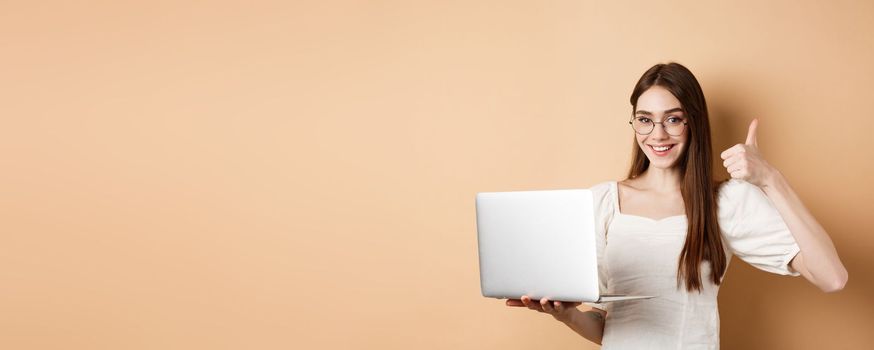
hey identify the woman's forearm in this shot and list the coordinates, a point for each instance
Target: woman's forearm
(589, 324)
(820, 258)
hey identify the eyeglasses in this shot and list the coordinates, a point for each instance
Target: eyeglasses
(674, 126)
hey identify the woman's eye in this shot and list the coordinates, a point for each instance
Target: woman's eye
(644, 120)
(675, 120)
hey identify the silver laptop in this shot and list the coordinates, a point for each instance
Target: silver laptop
(540, 244)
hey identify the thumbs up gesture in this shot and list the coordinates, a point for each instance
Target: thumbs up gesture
(743, 161)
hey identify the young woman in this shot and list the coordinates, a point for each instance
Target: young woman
(669, 230)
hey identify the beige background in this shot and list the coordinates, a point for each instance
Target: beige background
(302, 174)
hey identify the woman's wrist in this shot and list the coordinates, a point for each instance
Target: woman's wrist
(589, 324)
(773, 180)
(569, 316)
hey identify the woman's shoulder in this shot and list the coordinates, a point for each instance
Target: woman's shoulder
(602, 187)
(604, 194)
(603, 190)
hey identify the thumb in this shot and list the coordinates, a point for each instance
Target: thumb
(751, 134)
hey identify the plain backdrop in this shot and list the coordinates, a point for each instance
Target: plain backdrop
(301, 175)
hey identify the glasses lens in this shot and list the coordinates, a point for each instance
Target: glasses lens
(642, 126)
(674, 127)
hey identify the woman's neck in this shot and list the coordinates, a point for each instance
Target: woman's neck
(658, 179)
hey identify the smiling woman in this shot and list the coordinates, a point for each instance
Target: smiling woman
(670, 230)
(672, 88)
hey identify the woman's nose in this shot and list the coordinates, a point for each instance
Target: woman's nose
(658, 132)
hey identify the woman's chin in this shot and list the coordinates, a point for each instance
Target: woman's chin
(664, 164)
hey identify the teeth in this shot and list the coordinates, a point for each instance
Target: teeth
(662, 148)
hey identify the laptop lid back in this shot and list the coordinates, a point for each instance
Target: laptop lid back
(537, 243)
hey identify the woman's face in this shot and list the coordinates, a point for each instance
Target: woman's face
(655, 105)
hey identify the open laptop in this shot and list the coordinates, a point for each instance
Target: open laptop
(540, 244)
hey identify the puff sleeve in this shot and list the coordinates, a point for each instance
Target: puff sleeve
(603, 207)
(753, 230)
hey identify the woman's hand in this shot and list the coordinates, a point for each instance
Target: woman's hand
(561, 310)
(743, 161)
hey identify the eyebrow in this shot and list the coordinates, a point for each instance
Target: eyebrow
(672, 110)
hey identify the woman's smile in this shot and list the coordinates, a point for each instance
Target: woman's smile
(661, 150)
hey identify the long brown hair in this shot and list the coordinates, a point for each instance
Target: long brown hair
(703, 240)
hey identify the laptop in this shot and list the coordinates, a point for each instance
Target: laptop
(540, 244)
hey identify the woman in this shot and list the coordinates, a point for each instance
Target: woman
(669, 230)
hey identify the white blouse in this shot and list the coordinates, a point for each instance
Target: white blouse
(639, 256)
